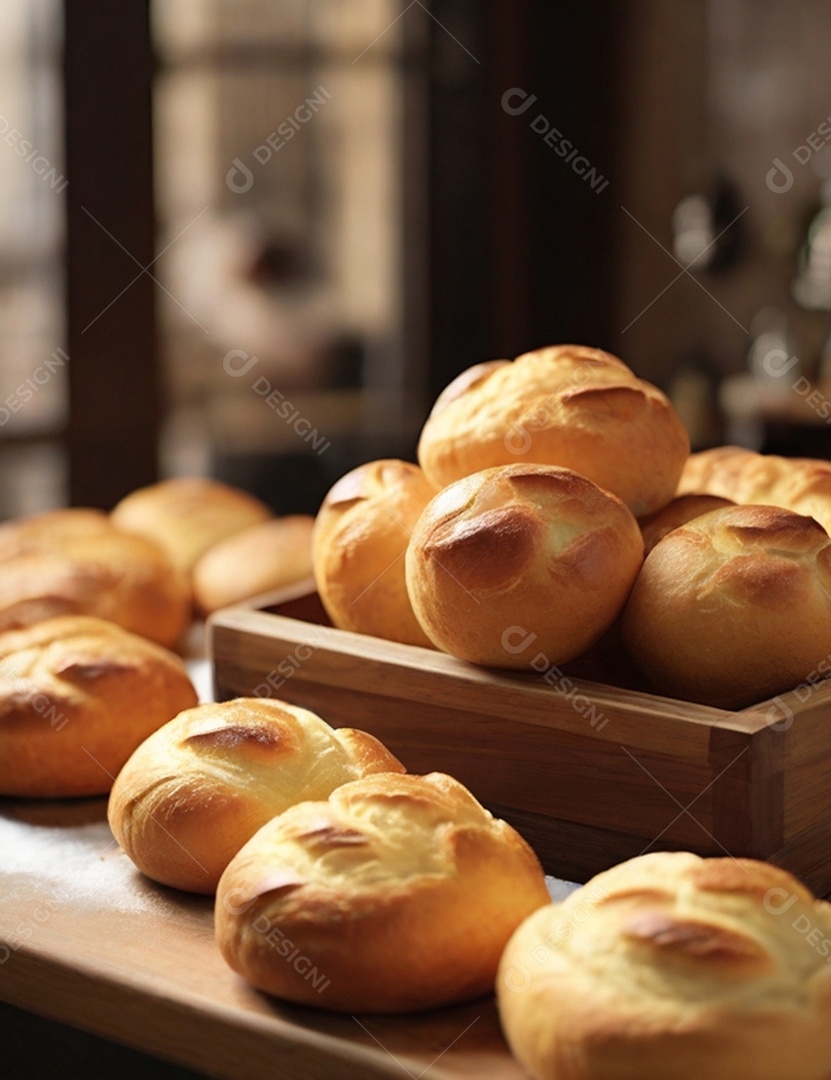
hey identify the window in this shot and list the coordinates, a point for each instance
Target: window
(279, 166)
(33, 357)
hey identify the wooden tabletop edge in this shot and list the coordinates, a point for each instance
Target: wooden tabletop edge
(185, 1009)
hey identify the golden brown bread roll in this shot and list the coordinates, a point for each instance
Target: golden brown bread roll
(77, 696)
(672, 967)
(21, 535)
(76, 562)
(799, 484)
(684, 508)
(566, 405)
(258, 559)
(360, 536)
(397, 894)
(520, 561)
(187, 515)
(199, 787)
(733, 607)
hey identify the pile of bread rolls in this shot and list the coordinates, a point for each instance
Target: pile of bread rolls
(399, 892)
(373, 891)
(346, 884)
(92, 605)
(228, 543)
(521, 512)
(200, 786)
(180, 546)
(555, 503)
(556, 512)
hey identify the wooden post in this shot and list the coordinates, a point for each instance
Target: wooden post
(114, 393)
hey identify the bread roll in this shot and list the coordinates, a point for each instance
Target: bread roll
(563, 405)
(187, 515)
(77, 696)
(26, 534)
(521, 561)
(198, 788)
(360, 536)
(672, 967)
(76, 562)
(397, 894)
(258, 559)
(684, 508)
(799, 484)
(733, 607)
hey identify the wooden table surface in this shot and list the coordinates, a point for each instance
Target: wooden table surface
(90, 942)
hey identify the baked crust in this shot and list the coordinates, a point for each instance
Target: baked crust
(566, 405)
(682, 509)
(259, 559)
(517, 553)
(733, 607)
(672, 967)
(360, 536)
(195, 791)
(799, 484)
(77, 696)
(76, 562)
(397, 894)
(187, 515)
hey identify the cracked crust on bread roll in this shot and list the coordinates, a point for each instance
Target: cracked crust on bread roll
(187, 515)
(77, 696)
(566, 405)
(76, 562)
(682, 509)
(733, 607)
(199, 787)
(521, 561)
(397, 894)
(361, 533)
(256, 560)
(673, 967)
(799, 484)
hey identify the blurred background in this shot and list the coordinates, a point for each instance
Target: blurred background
(254, 239)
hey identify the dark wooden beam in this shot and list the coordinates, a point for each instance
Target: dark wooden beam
(457, 220)
(520, 232)
(114, 392)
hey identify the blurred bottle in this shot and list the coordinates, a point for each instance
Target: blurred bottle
(812, 285)
(709, 228)
(772, 356)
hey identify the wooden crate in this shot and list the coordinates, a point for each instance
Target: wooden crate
(589, 773)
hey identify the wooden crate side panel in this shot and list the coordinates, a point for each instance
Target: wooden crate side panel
(530, 768)
(808, 856)
(247, 657)
(805, 747)
(747, 790)
(792, 763)
(577, 852)
(804, 719)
